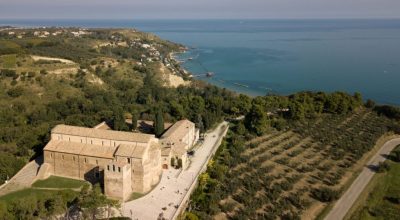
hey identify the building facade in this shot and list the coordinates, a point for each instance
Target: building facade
(122, 162)
(176, 141)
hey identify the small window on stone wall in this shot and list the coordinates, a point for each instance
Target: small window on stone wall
(129, 160)
(73, 158)
(108, 167)
(114, 168)
(62, 157)
(119, 169)
(85, 160)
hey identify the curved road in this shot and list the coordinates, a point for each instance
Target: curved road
(347, 200)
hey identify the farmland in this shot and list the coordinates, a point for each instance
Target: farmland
(289, 174)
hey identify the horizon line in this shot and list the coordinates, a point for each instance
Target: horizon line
(288, 18)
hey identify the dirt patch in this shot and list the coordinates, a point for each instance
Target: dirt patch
(62, 71)
(313, 211)
(170, 79)
(37, 58)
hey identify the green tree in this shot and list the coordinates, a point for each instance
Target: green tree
(256, 120)
(240, 129)
(172, 161)
(118, 121)
(179, 163)
(370, 104)
(199, 123)
(135, 119)
(91, 202)
(159, 124)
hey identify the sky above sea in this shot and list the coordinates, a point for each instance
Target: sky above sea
(186, 9)
(258, 57)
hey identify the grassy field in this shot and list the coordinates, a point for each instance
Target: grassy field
(8, 61)
(59, 182)
(378, 201)
(31, 192)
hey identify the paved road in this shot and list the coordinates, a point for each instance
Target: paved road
(170, 192)
(347, 200)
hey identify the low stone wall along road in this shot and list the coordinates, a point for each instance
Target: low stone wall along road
(173, 191)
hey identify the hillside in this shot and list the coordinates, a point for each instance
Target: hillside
(291, 156)
(291, 163)
(84, 76)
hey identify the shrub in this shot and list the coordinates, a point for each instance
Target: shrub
(15, 92)
(179, 163)
(172, 161)
(383, 167)
(8, 73)
(324, 194)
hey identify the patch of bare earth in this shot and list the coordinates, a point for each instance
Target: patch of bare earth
(37, 58)
(170, 79)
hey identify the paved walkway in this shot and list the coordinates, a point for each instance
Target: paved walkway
(165, 199)
(347, 200)
(23, 179)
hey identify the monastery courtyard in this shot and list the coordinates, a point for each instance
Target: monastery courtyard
(168, 197)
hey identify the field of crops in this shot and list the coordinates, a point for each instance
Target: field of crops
(293, 174)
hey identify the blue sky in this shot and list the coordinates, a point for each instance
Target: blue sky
(195, 9)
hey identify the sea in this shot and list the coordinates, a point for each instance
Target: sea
(259, 57)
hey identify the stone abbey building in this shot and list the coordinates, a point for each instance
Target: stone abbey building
(123, 162)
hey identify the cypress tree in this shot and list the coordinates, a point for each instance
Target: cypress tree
(135, 119)
(159, 124)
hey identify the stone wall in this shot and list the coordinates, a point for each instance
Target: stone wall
(76, 166)
(117, 181)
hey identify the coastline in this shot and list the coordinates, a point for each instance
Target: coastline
(235, 87)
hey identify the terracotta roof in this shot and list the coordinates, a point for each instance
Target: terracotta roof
(179, 148)
(81, 149)
(105, 134)
(177, 131)
(165, 151)
(130, 151)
